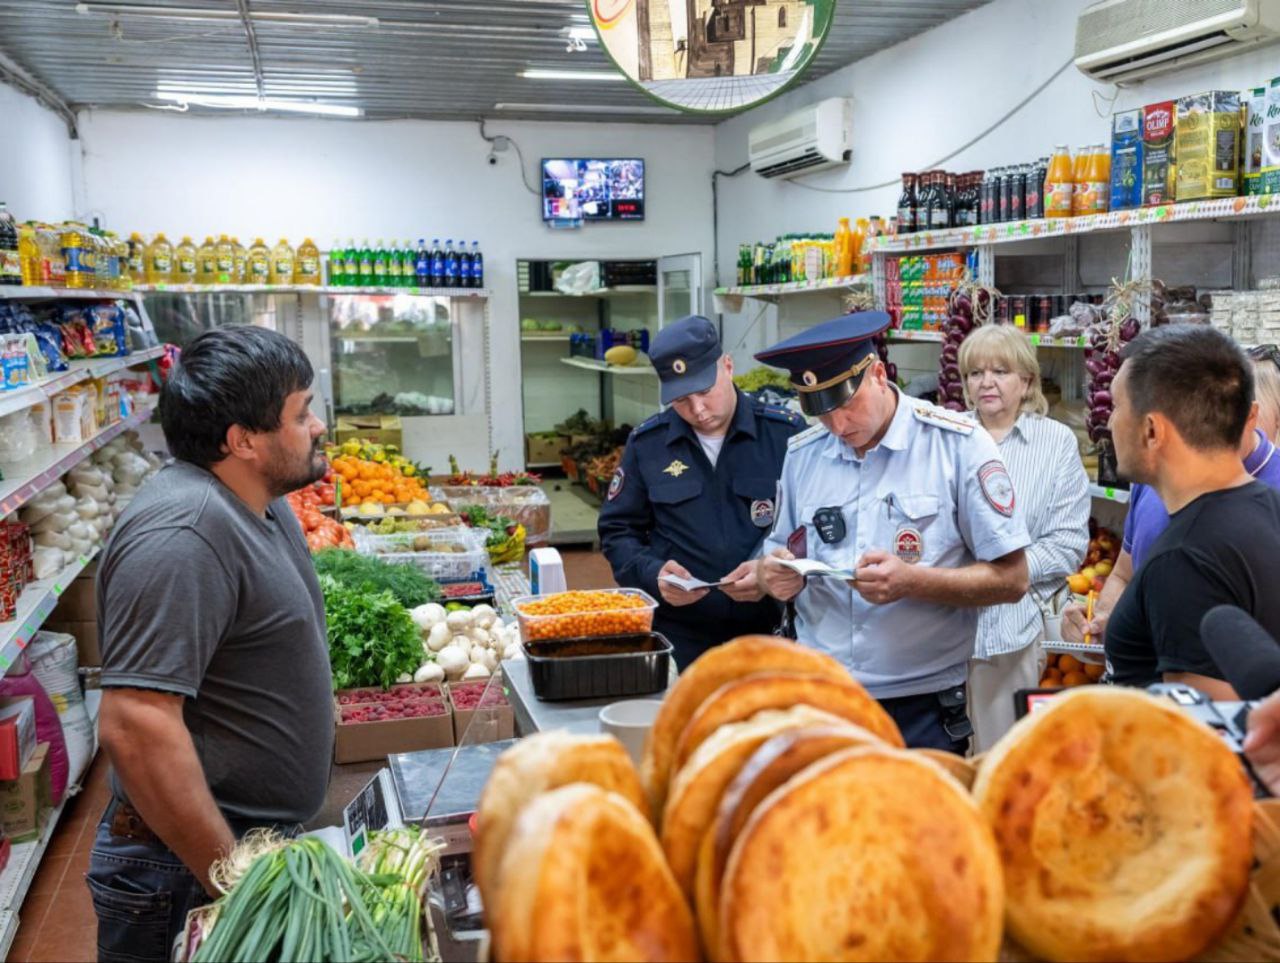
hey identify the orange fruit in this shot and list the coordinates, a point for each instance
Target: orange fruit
(1094, 671)
(1074, 679)
(1051, 679)
(1069, 663)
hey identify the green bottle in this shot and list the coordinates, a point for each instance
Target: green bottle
(408, 265)
(394, 279)
(351, 264)
(379, 265)
(365, 271)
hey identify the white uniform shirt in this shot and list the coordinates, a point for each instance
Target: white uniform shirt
(1053, 502)
(935, 490)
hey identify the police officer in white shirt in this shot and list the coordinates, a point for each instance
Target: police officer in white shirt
(917, 503)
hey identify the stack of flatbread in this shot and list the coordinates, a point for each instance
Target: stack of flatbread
(777, 816)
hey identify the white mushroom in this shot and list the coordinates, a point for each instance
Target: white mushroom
(459, 621)
(438, 637)
(477, 671)
(453, 661)
(429, 672)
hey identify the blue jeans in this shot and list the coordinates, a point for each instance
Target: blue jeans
(142, 893)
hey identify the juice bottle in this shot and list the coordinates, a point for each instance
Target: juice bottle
(282, 261)
(73, 242)
(1059, 184)
(844, 248)
(29, 256)
(184, 262)
(159, 260)
(207, 262)
(1081, 201)
(858, 241)
(258, 265)
(224, 260)
(240, 256)
(1100, 180)
(306, 266)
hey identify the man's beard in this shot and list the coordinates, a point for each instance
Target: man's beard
(285, 478)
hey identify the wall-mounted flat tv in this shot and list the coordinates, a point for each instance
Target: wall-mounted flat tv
(579, 189)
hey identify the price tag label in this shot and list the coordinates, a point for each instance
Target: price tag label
(1020, 320)
(1035, 340)
(1111, 493)
(1080, 341)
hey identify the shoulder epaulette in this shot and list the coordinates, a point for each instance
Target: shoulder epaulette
(784, 415)
(647, 425)
(806, 437)
(942, 418)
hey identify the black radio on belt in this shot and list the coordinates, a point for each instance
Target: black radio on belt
(829, 523)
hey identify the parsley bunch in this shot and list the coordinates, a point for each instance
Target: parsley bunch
(372, 637)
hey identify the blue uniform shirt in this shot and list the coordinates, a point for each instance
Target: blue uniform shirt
(666, 501)
(934, 492)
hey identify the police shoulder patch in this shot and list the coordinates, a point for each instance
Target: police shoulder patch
(647, 425)
(944, 419)
(806, 437)
(784, 415)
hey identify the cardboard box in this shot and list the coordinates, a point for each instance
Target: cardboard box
(542, 450)
(1126, 160)
(25, 800)
(1252, 142)
(17, 734)
(78, 602)
(1157, 153)
(88, 649)
(371, 741)
(1207, 145)
(497, 722)
(379, 429)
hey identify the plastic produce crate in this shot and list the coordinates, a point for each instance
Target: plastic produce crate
(599, 667)
(584, 623)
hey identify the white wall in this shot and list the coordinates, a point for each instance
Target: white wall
(920, 100)
(273, 177)
(36, 160)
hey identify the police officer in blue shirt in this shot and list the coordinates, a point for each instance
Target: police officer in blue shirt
(912, 499)
(694, 495)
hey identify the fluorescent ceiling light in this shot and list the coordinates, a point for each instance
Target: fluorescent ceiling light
(585, 109)
(201, 13)
(597, 75)
(250, 102)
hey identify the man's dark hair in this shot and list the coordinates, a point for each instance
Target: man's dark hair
(1195, 376)
(237, 375)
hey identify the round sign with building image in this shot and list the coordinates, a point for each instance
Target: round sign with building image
(712, 56)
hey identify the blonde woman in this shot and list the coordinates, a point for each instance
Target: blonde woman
(1002, 388)
(1266, 386)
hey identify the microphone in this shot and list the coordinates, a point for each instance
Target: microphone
(1247, 654)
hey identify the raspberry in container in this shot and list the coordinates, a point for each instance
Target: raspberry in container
(578, 614)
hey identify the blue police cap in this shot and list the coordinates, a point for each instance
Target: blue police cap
(685, 355)
(827, 362)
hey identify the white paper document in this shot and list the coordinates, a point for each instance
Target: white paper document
(688, 584)
(809, 566)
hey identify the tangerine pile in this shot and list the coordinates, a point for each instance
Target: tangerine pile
(371, 481)
(1066, 671)
(568, 615)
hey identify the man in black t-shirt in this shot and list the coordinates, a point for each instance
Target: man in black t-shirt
(1182, 398)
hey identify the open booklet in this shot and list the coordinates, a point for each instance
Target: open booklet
(689, 584)
(809, 566)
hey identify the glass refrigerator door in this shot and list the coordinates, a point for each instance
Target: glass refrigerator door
(679, 287)
(392, 355)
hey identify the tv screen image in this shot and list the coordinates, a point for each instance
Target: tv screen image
(575, 189)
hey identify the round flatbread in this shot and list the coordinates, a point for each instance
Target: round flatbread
(963, 769)
(869, 854)
(1124, 827)
(696, 789)
(583, 878)
(747, 655)
(743, 698)
(775, 762)
(541, 762)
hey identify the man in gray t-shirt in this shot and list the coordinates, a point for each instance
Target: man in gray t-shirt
(217, 714)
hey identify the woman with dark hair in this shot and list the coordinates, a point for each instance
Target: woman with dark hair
(217, 710)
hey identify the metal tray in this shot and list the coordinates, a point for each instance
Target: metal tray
(599, 667)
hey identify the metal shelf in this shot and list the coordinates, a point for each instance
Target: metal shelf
(34, 605)
(937, 337)
(1118, 495)
(548, 338)
(24, 858)
(23, 293)
(46, 466)
(590, 364)
(770, 292)
(25, 397)
(480, 293)
(620, 289)
(1224, 209)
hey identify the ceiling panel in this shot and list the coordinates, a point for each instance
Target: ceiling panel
(390, 58)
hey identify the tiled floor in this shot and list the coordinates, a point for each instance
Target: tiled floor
(57, 919)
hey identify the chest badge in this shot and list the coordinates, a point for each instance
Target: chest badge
(997, 487)
(762, 513)
(908, 545)
(676, 468)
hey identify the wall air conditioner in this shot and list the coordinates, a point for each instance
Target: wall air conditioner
(808, 140)
(1121, 40)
